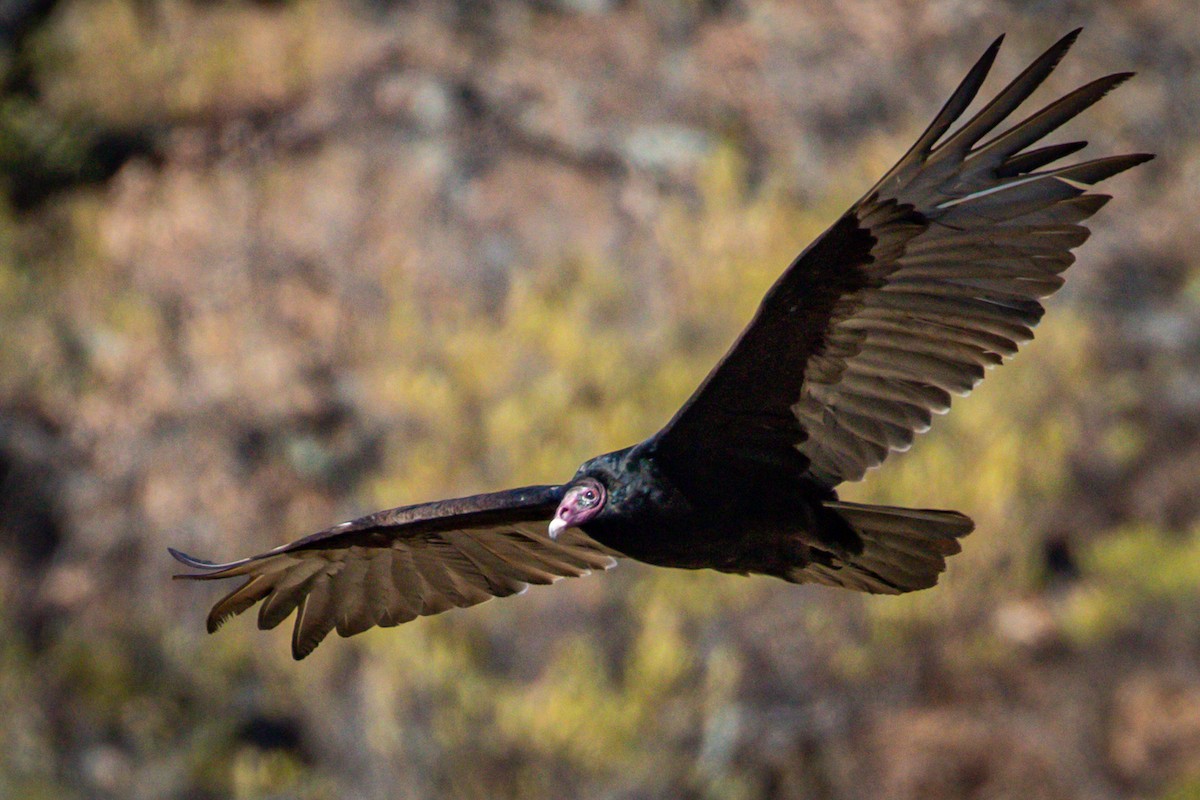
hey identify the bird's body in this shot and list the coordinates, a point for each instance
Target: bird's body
(758, 522)
(764, 519)
(659, 522)
(933, 277)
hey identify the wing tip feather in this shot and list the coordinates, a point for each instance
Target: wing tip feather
(214, 621)
(1061, 47)
(1132, 160)
(190, 561)
(208, 569)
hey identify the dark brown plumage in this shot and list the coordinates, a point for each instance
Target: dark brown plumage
(934, 276)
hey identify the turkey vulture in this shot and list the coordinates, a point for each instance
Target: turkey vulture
(935, 275)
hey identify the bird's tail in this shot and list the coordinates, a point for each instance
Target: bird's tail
(904, 549)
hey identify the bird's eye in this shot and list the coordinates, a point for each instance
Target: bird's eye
(588, 498)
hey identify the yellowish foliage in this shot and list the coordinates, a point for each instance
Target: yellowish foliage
(1135, 571)
(130, 63)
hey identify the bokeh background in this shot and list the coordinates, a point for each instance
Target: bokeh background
(265, 266)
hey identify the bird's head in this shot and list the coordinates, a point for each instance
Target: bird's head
(584, 499)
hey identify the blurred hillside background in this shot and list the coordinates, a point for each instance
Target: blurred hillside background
(265, 266)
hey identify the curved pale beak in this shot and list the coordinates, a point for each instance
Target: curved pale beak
(557, 526)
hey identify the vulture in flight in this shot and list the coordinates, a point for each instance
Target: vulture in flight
(936, 274)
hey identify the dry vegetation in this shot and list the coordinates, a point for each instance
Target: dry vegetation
(268, 266)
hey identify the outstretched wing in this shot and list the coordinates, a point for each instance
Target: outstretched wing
(931, 278)
(392, 566)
